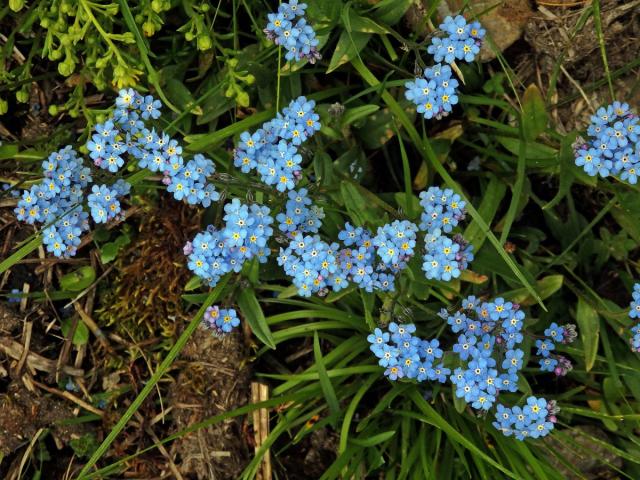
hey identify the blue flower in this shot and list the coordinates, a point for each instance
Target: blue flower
(612, 147)
(221, 321)
(545, 347)
(298, 39)
(513, 360)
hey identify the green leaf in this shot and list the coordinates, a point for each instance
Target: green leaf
(376, 129)
(358, 23)
(254, 316)
(323, 167)
(534, 115)
(391, 11)
(566, 175)
(458, 402)
(80, 336)
(204, 141)
(25, 250)
(349, 46)
(8, 150)
(194, 282)
(432, 417)
(494, 193)
(537, 154)
(79, 279)
(360, 210)
(325, 381)
(181, 96)
(84, 446)
(109, 251)
(589, 328)
(352, 115)
(368, 302)
(373, 439)
(545, 287)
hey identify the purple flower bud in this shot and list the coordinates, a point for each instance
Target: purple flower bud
(188, 248)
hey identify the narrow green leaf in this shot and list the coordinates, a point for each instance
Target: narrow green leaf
(254, 316)
(488, 208)
(323, 167)
(566, 165)
(373, 439)
(538, 155)
(25, 250)
(360, 211)
(325, 381)
(79, 279)
(182, 96)
(516, 190)
(194, 282)
(348, 47)
(358, 23)
(351, 410)
(352, 115)
(534, 114)
(81, 334)
(589, 325)
(545, 287)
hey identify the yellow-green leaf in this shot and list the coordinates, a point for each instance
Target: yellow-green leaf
(589, 331)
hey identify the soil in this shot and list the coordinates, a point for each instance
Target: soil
(214, 378)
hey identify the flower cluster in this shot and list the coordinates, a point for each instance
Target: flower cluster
(435, 92)
(59, 200)
(488, 355)
(371, 261)
(220, 320)
(463, 40)
(156, 151)
(300, 215)
(395, 242)
(56, 202)
(214, 252)
(490, 333)
(273, 149)
(103, 200)
(534, 420)
(445, 258)
(555, 363)
(634, 313)
(404, 355)
(299, 38)
(613, 147)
